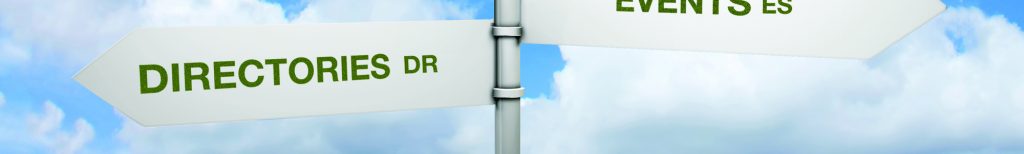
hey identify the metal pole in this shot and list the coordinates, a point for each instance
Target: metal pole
(506, 14)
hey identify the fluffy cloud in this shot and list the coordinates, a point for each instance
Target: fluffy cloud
(11, 54)
(43, 131)
(47, 130)
(389, 10)
(205, 13)
(951, 86)
(473, 131)
(62, 31)
(70, 33)
(390, 132)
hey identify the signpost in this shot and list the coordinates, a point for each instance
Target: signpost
(170, 76)
(166, 76)
(813, 28)
(506, 114)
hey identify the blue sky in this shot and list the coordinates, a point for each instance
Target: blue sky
(1009, 8)
(707, 105)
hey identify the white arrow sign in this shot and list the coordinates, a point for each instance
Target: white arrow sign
(163, 76)
(815, 28)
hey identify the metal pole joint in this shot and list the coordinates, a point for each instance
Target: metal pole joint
(507, 31)
(508, 92)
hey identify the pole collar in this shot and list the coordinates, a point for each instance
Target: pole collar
(508, 93)
(508, 31)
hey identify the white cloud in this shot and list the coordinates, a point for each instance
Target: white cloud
(32, 131)
(390, 132)
(386, 10)
(64, 31)
(83, 135)
(49, 121)
(203, 12)
(920, 96)
(12, 54)
(71, 33)
(48, 130)
(474, 132)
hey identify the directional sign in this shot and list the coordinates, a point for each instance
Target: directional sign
(162, 76)
(815, 28)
